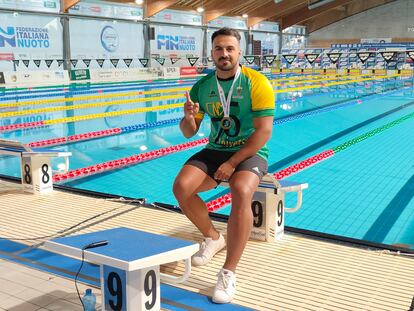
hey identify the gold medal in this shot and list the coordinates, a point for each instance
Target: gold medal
(226, 123)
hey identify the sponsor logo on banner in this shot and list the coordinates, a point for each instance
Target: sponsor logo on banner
(128, 61)
(109, 39)
(26, 62)
(363, 56)
(311, 57)
(37, 62)
(387, 56)
(174, 60)
(290, 57)
(171, 72)
(24, 37)
(80, 74)
(410, 54)
(249, 59)
(143, 61)
(74, 62)
(2, 81)
(269, 59)
(100, 62)
(60, 62)
(16, 62)
(188, 71)
(114, 61)
(160, 60)
(179, 43)
(87, 62)
(48, 62)
(334, 57)
(192, 60)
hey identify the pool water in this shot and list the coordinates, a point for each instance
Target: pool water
(364, 191)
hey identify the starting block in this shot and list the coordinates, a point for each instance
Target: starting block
(35, 165)
(268, 207)
(129, 264)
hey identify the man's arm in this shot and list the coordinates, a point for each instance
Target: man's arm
(189, 125)
(263, 131)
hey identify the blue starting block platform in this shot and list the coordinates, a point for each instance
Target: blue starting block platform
(268, 207)
(35, 164)
(129, 264)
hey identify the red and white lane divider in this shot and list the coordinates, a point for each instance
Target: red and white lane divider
(224, 200)
(131, 160)
(73, 138)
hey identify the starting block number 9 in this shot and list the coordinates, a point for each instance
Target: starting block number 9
(142, 293)
(259, 213)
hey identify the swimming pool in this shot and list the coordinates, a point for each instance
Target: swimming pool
(364, 191)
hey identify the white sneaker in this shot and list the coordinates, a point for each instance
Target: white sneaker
(225, 287)
(208, 249)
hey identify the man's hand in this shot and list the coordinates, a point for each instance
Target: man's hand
(190, 108)
(224, 171)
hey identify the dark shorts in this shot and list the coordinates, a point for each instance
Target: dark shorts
(209, 160)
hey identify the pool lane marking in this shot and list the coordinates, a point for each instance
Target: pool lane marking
(133, 93)
(129, 101)
(116, 131)
(223, 200)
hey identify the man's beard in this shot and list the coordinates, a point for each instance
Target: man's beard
(227, 67)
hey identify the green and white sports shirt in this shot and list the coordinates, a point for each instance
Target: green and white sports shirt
(252, 97)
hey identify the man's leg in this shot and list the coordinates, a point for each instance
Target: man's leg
(189, 182)
(243, 184)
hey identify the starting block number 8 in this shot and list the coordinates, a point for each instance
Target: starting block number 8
(131, 290)
(36, 174)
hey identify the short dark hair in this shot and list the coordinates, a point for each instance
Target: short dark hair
(226, 31)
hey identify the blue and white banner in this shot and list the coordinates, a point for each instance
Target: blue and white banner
(269, 43)
(101, 8)
(225, 21)
(105, 40)
(173, 42)
(52, 6)
(31, 37)
(266, 26)
(177, 17)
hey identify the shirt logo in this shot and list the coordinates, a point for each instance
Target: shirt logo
(239, 91)
(212, 94)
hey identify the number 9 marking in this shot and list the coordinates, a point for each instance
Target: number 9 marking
(150, 289)
(257, 209)
(115, 291)
(280, 213)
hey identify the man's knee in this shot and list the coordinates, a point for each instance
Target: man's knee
(179, 187)
(242, 190)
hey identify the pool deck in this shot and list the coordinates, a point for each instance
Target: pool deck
(297, 273)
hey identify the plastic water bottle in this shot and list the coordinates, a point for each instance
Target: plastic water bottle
(89, 300)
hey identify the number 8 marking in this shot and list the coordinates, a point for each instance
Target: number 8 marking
(27, 175)
(45, 177)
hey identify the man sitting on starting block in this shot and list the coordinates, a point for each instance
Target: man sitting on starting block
(240, 102)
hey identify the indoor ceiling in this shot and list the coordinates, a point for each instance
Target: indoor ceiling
(314, 14)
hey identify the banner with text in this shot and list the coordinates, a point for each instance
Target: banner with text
(31, 37)
(105, 40)
(176, 42)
